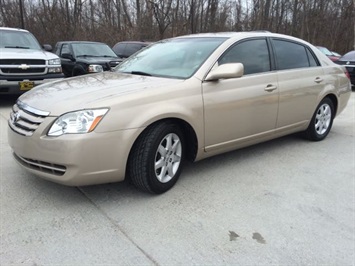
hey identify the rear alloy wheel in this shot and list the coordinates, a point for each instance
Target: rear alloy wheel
(157, 157)
(322, 121)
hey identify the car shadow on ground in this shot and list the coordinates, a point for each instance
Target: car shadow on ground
(207, 167)
(8, 100)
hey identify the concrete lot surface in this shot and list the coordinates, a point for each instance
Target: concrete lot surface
(287, 201)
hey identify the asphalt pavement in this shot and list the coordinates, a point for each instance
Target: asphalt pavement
(284, 202)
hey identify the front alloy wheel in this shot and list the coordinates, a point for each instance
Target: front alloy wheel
(168, 158)
(157, 157)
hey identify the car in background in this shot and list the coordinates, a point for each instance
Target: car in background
(127, 48)
(184, 98)
(348, 60)
(24, 63)
(328, 53)
(336, 54)
(82, 57)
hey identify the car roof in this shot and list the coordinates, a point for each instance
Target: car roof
(13, 29)
(349, 56)
(89, 42)
(133, 42)
(242, 35)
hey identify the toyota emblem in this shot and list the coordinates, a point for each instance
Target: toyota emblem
(16, 117)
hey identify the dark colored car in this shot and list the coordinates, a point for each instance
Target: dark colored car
(127, 48)
(79, 58)
(328, 53)
(348, 60)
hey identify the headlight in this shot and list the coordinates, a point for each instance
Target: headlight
(95, 68)
(77, 122)
(54, 70)
(54, 61)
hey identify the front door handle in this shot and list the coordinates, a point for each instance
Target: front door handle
(270, 88)
(318, 80)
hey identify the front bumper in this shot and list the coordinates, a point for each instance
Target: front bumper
(74, 159)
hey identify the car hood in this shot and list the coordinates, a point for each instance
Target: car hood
(89, 91)
(12, 53)
(97, 60)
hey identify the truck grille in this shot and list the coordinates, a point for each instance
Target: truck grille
(22, 61)
(50, 168)
(24, 119)
(18, 67)
(23, 71)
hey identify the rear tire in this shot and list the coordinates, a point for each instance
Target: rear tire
(157, 157)
(322, 121)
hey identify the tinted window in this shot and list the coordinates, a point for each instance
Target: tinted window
(119, 48)
(312, 60)
(290, 55)
(253, 54)
(65, 49)
(132, 48)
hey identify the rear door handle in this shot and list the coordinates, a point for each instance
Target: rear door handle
(318, 80)
(270, 88)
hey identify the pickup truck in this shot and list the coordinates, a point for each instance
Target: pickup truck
(24, 63)
(83, 57)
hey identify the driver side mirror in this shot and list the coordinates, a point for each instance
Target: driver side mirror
(226, 71)
(47, 47)
(68, 56)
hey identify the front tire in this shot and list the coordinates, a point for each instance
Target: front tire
(322, 121)
(157, 157)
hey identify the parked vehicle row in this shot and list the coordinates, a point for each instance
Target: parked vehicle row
(185, 98)
(331, 55)
(25, 64)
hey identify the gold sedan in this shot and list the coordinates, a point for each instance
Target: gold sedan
(184, 98)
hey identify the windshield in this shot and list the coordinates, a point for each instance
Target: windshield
(93, 49)
(324, 50)
(173, 58)
(18, 39)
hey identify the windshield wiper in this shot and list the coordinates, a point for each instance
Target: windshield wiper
(87, 55)
(140, 73)
(17, 47)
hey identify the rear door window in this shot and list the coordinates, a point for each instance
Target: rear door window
(290, 55)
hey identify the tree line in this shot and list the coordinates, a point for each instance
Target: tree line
(321, 22)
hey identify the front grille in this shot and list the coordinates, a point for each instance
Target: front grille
(22, 61)
(17, 67)
(23, 71)
(24, 120)
(50, 168)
